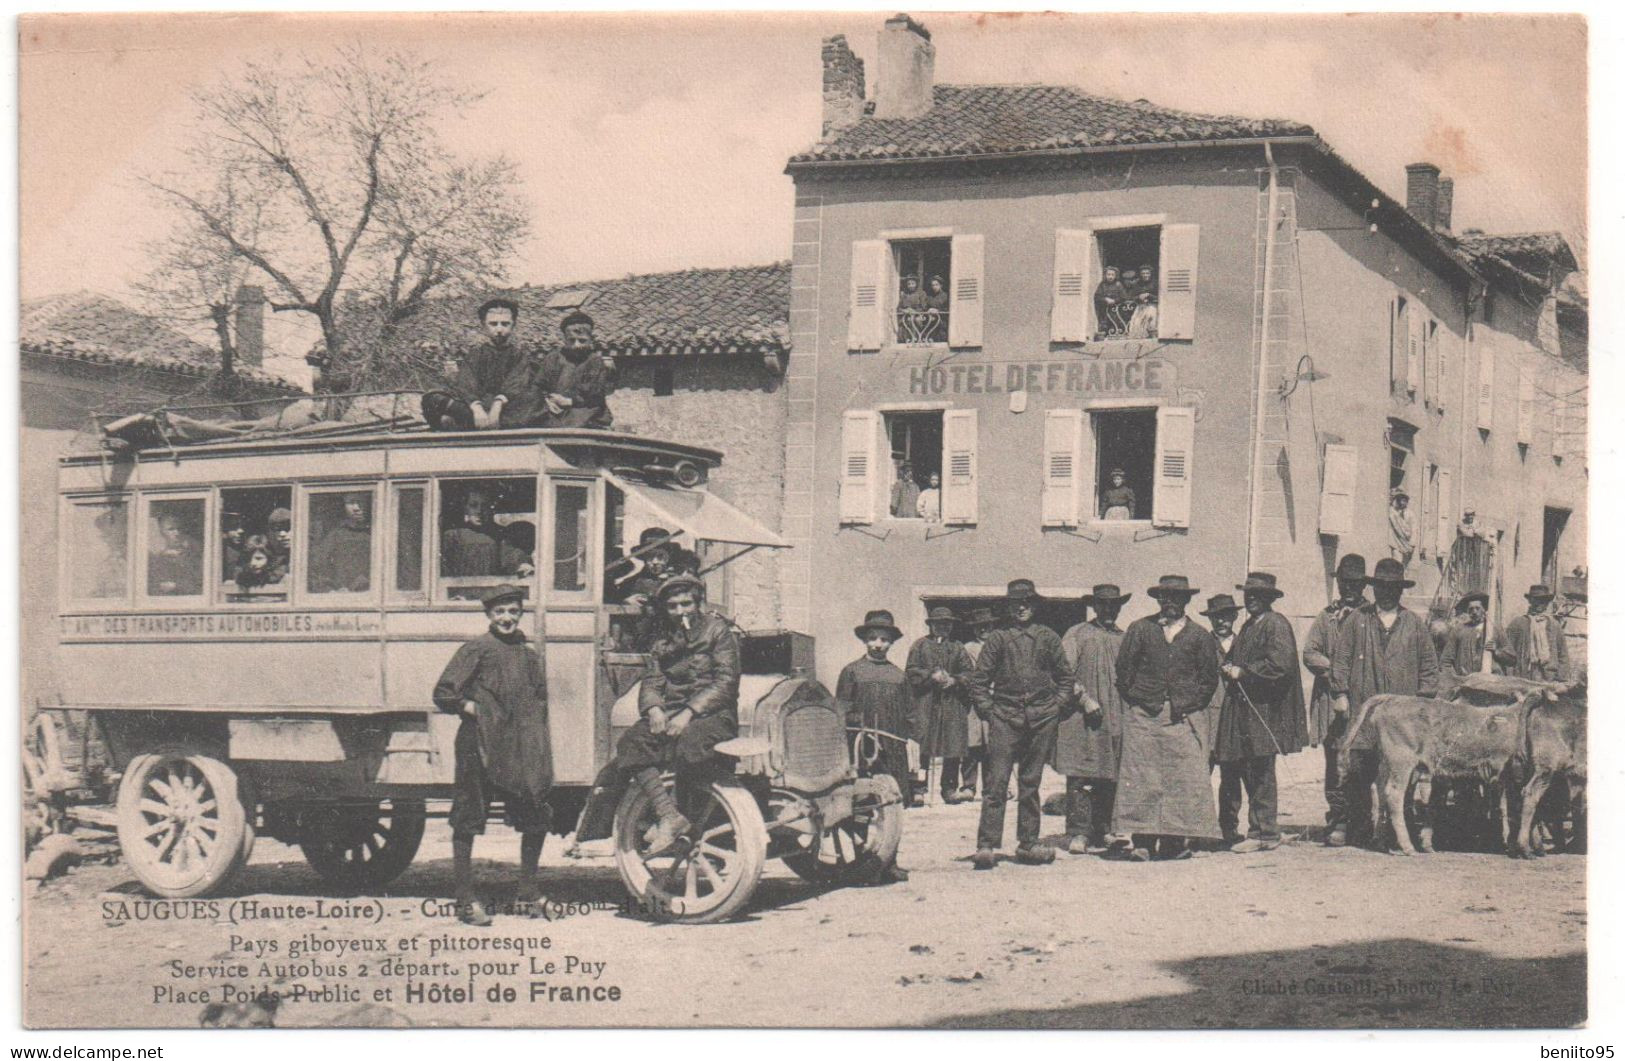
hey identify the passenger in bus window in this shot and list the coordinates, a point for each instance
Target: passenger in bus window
(232, 532)
(279, 524)
(476, 547)
(342, 561)
(255, 568)
(175, 566)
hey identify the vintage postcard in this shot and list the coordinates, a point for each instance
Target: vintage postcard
(573, 520)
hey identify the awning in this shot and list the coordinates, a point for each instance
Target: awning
(705, 516)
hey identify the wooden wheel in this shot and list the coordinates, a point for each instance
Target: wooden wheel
(358, 847)
(181, 821)
(710, 879)
(858, 849)
(44, 776)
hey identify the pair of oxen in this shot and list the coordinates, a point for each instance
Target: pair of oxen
(1513, 735)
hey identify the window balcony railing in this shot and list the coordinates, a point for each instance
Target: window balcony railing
(922, 327)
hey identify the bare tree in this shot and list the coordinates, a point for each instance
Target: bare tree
(324, 174)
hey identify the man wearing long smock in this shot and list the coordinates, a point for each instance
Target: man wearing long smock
(1088, 743)
(1167, 672)
(937, 670)
(1326, 726)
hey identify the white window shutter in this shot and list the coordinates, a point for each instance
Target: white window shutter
(959, 466)
(1176, 297)
(1445, 536)
(1486, 386)
(1437, 337)
(860, 477)
(965, 311)
(1430, 383)
(1396, 342)
(1338, 488)
(1526, 405)
(1413, 348)
(1073, 296)
(1063, 467)
(867, 310)
(1171, 495)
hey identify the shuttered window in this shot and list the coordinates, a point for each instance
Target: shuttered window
(959, 487)
(1063, 467)
(871, 273)
(1072, 304)
(1486, 386)
(860, 432)
(965, 317)
(1445, 514)
(1176, 298)
(1526, 405)
(1339, 484)
(1171, 496)
(1413, 350)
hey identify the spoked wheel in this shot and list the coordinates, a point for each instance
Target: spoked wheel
(181, 821)
(44, 776)
(860, 848)
(359, 847)
(709, 878)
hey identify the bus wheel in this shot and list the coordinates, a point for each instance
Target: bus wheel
(362, 846)
(858, 849)
(181, 821)
(709, 878)
(44, 776)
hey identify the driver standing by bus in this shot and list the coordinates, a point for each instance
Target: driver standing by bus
(497, 683)
(690, 703)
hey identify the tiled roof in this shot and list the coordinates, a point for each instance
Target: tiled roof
(96, 329)
(1005, 119)
(742, 310)
(1531, 254)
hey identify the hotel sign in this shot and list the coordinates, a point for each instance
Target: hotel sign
(1104, 378)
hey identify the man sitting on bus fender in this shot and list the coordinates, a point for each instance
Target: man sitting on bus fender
(690, 703)
(498, 684)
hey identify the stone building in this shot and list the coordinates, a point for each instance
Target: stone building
(1315, 343)
(701, 355)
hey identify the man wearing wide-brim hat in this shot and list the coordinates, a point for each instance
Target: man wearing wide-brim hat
(1383, 648)
(938, 670)
(1167, 671)
(1463, 651)
(1326, 726)
(1262, 716)
(497, 684)
(872, 693)
(1019, 688)
(1534, 645)
(1089, 742)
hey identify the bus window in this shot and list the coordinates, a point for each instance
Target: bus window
(98, 550)
(340, 541)
(253, 556)
(175, 547)
(487, 535)
(571, 542)
(409, 506)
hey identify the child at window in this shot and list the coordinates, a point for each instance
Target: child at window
(1143, 325)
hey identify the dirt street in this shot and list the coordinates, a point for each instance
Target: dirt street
(1301, 936)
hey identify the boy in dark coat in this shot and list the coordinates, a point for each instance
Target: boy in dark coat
(489, 376)
(570, 386)
(873, 694)
(1262, 716)
(497, 683)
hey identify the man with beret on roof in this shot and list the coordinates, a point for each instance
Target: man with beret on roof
(497, 684)
(1088, 742)
(1383, 648)
(571, 384)
(1167, 671)
(1534, 645)
(1020, 686)
(488, 378)
(689, 700)
(937, 670)
(1262, 716)
(1463, 651)
(1326, 726)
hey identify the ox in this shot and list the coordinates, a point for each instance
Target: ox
(1444, 741)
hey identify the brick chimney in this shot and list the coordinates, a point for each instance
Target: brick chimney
(250, 325)
(1447, 195)
(907, 72)
(843, 85)
(1422, 192)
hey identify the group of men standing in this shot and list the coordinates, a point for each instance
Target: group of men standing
(1137, 719)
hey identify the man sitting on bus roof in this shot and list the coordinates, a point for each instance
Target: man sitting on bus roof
(570, 386)
(488, 377)
(689, 700)
(497, 684)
